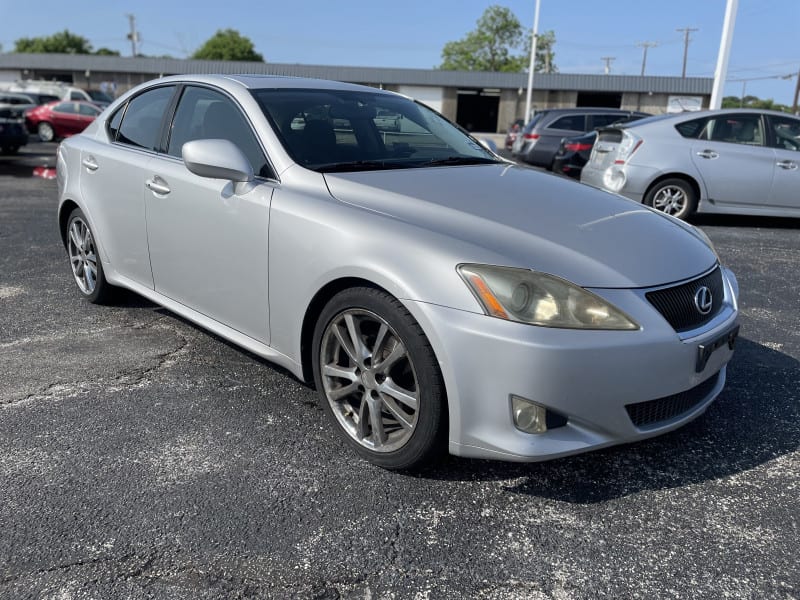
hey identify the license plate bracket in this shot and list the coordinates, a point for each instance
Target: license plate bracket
(704, 351)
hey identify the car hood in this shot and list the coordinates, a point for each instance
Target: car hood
(534, 220)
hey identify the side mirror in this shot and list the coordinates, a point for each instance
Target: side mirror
(217, 159)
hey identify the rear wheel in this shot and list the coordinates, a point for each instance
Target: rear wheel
(84, 260)
(46, 132)
(379, 380)
(673, 196)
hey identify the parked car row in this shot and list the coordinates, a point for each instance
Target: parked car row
(730, 161)
(539, 140)
(43, 114)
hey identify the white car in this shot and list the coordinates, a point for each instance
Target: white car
(438, 296)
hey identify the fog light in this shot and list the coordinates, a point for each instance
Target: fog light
(528, 417)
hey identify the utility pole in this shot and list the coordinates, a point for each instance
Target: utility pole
(608, 60)
(532, 66)
(721, 71)
(133, 36)
(686, 32)
(645, 46)
(796, 94)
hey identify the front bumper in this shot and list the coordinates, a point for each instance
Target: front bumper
(586, 376)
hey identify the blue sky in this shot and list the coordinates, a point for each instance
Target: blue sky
(411, 33)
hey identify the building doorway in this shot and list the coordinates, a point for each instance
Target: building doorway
(477, 110)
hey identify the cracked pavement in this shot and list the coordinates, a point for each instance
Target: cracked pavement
(141, 457)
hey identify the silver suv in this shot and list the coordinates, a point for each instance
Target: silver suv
(731, 161)
(541, 137)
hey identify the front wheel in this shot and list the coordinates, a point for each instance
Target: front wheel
(674, 196)
(46, 132)
(379, 380)
(87, 270)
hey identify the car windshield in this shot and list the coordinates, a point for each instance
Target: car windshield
(345, 130)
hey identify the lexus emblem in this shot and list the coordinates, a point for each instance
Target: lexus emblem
(703, 300)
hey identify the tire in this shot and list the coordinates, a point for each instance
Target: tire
(673, 196)
(87, 269)
(393, 411)
(46, 132)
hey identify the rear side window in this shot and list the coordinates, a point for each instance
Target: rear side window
(691, 129)
(570, 123)
(786, 132)
(87, 110)
(141, 123)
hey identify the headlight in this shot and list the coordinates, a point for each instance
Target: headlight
(538, 299)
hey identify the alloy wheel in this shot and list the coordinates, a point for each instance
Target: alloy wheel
(369, 380)
(670, 199)
(82, 255)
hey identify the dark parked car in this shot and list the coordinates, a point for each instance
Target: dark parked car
(574, 152)
(12, 129)
(541, 137)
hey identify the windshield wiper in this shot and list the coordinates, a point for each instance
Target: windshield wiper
(359, 165)
(458, 160)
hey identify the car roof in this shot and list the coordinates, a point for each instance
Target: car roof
(255, 82)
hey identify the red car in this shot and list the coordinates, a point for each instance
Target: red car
(60, 119)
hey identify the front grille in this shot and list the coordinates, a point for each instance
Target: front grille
(677, 306)
(652, 412)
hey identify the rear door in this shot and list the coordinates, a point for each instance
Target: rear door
(785, 138)
(733, 160)
(113, 175)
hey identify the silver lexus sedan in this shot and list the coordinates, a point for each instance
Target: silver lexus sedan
(438, 297)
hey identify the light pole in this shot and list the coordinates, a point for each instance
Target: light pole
(533, 63)
(724, 54)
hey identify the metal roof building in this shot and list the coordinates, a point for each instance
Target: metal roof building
(477, 100)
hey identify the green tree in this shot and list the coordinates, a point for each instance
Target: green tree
(63, 42)
(106, 52)
(753, 102)
(499, 43)
(228, 44)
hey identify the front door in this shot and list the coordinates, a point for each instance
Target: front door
(786, 182)
(208, 244)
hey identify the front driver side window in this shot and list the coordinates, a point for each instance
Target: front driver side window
(206, 114)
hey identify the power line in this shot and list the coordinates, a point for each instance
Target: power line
(645, 46)
(686, 32)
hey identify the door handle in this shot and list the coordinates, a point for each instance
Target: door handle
(789, 165)
(90, 163)
(157, 185)
(708, 154)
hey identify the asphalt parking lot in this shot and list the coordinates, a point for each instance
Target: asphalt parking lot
(141, 457)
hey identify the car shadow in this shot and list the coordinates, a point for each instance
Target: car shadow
(752, 422)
